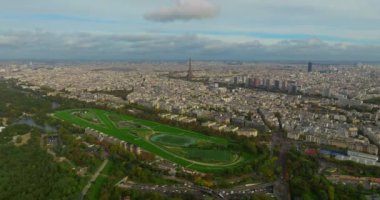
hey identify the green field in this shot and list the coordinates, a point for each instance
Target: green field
(187, 148)
(172, 140)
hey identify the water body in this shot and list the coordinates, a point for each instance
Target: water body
(32, 123)
(55, 105)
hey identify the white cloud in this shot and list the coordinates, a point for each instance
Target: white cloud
(7, 40)
(184, 10)
(72, 46)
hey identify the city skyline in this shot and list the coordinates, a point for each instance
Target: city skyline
(189, 99)
(202, 29)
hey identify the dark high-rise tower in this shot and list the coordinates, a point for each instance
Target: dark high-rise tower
(189, 76)
(309, 67)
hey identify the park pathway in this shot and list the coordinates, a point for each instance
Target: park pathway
(93, 178)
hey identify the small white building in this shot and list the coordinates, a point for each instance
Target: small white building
(295, 135)
(247, 133)
(208, 124)
(2, 128)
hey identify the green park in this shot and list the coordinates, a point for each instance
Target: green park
(186, 148)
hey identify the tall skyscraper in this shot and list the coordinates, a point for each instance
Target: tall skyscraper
(267, 83)
(284, 85)
(310, 67)
(244, 79)
(277, 84)
(236, 80)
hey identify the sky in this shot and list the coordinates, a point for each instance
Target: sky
(336, 30)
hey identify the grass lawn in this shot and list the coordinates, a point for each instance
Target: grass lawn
(93, 193)
(217, 156)
(160, 139)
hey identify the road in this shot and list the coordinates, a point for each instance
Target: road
(245, 190)
(279, 139)
(93, 178)
(281, 186)
(230, 193)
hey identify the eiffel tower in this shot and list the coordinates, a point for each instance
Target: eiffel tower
(190, 75)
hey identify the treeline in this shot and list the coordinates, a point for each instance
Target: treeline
(117, 93)
(16, 102)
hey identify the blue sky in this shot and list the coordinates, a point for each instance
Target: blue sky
(204, 29)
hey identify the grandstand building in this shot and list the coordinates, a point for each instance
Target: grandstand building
(112, 140)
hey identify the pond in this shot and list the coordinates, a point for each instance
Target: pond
(32, 123)
(55, 105)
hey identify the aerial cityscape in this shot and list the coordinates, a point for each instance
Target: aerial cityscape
(189, 99)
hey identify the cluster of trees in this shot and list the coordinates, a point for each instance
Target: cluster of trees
(28, 172)
(263, 163)
(16, 102)
(75, 151)
(375, 100)
(355, 169)
(306, 183)
(361, 108)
